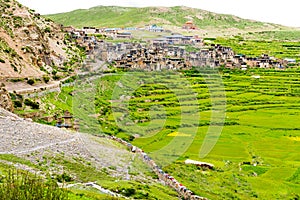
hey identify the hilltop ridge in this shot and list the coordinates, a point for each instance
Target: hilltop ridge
(169, 17)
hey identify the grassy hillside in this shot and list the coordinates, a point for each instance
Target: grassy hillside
(111, 16)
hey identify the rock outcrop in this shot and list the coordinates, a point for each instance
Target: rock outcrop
(5, 100)
(32, 46)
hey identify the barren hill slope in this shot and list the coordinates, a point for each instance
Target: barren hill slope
(31, 46)
(35, 142)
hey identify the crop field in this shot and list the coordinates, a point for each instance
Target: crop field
(169, 115)
(251, 117)
(283, 35)
(255, 48)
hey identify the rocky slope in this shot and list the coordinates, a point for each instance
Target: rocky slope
(36, 141)
(77, 158)
(5, 100)
(31, 46)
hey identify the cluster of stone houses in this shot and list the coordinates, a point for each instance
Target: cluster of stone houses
(189, 25)
(178, 39)
(117, 33)
(147, 57)
(154, 28)
(161, 55)
(170, 52)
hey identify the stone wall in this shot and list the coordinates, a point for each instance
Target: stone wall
(167, 179)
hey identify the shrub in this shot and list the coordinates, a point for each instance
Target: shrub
(24, 186)
(64, 178)
(128, 191)
(19, 96)
(56, 77)
(14, 80)
(32, 104)
(70, 80)
(15, 68)
(47, 30)
(46, 79)
(30, 81)
(54, 72)
(12, 96)
(43, 69)
(17, 104)
(131, 137)
(48, 20)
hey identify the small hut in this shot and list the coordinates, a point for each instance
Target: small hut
(66, 122)
(67, 119)
(59, 123)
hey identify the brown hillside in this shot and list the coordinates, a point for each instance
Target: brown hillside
(31, 46)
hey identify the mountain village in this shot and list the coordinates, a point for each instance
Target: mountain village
(75, 126)
(168, 52)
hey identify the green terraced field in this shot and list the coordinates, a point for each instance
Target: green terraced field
(279, 48)
(171, 113)
(292, 35)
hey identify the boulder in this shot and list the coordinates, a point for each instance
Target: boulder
(5, 100)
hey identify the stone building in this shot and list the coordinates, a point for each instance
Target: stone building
(189, 25)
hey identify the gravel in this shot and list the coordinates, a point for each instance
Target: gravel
(34, 141)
